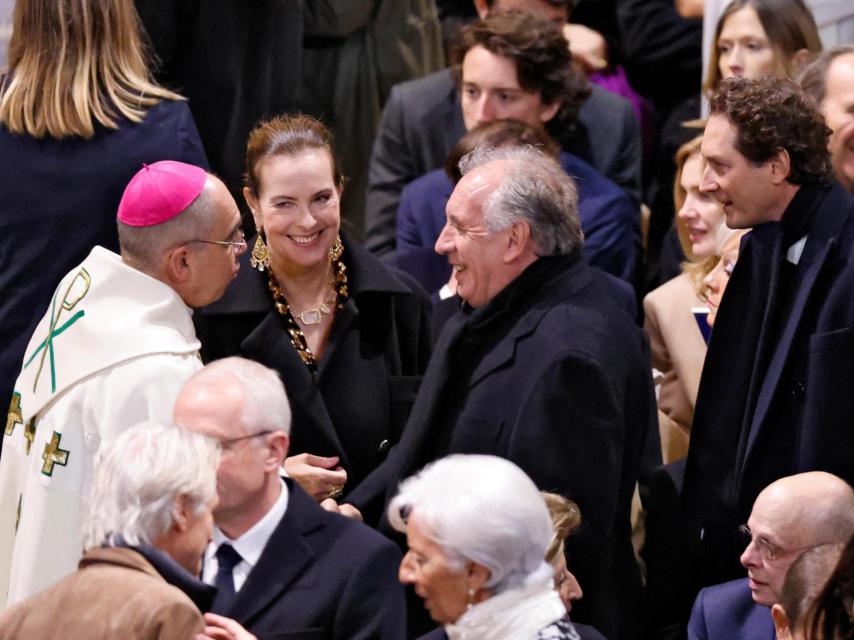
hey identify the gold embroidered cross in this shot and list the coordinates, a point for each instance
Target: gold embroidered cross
(30, 434)
(53, 455)
(14, 417)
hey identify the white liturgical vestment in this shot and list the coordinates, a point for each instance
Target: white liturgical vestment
(113, 350)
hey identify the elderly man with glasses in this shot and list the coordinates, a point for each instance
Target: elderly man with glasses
(791, 515)
(113, 349)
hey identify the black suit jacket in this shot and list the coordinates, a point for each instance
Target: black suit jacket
(322, 576)
(775, 397)
(423, 120)
(553, 376)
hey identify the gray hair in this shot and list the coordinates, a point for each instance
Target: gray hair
(265, 403)
(535, 189)
(483, 509)
(144, 247)
(813, 77)
(138, 478)
(806, 578)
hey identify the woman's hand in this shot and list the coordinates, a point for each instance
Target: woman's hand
(222, 628)
(320, 477)
(588, 47)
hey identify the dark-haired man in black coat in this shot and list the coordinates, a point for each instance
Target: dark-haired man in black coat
(776, 395)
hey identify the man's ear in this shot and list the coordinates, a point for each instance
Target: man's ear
(549, 111)
(279, 446)
(781, 166)
(517, 240)
(176, 266)
(781, 622)
(180, 513)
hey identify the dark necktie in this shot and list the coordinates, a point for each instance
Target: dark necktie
(227, 558)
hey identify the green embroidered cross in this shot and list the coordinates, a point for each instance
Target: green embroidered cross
(53, 455)
(14, 416)
(46, 345)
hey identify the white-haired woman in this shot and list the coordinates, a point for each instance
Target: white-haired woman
(150, 520)
(478, 530)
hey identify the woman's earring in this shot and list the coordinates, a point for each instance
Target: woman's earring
(470, 603)
(336, 249)
(260, 258)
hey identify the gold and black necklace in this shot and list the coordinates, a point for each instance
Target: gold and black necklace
(337, 284)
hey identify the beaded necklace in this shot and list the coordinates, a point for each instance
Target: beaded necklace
(337, 283)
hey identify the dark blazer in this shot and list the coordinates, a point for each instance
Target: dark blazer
(551, 375)
(727, 611)
(775, 394)
(58, 199)
(608, 219)
(423, 120)
(322, 575)
(357, 403)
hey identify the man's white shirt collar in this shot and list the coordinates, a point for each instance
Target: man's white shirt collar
(250, 545)
(794, 252)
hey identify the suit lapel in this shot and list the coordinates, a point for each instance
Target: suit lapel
(285, 557)
(505, 350)
(820, 243)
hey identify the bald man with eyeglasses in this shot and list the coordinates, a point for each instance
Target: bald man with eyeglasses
(789, 516)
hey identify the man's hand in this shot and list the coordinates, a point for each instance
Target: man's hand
(222, 628)
(346, 510)
(320, 477)
(588, 47)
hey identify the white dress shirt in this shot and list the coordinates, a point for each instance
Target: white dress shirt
(249, 545)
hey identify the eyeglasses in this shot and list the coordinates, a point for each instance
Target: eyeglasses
(768, 551)
(236, 241)
(225, 444)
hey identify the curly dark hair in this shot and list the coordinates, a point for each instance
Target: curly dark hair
(771, 114)
(542, 58)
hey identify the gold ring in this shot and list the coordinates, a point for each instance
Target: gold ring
(336, 492)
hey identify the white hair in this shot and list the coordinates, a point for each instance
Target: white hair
(138, 478)
(535, 189)
(265, 403)
(144, 247)
(483, 509)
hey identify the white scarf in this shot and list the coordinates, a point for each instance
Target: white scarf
(516, 614)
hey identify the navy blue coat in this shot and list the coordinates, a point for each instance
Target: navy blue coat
(727, 611)
(775, 396)
(551, 375)
(58, 199)
(608, 219)
(322, 576)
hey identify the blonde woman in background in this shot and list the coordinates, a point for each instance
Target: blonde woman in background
(676, 344)
(79, 114)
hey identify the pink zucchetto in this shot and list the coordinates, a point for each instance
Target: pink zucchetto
(159, 192)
